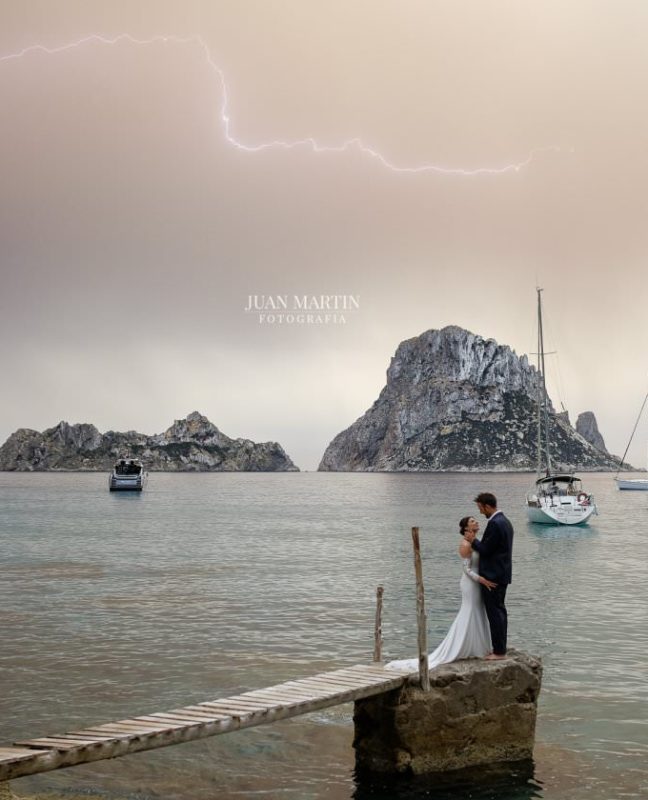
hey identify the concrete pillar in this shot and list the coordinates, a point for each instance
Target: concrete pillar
(476, 712)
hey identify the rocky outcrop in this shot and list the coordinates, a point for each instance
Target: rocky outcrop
(457, 402)
(476, 712)
(193, 444)
(587, 426)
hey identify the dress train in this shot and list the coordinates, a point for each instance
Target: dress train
(469, 634)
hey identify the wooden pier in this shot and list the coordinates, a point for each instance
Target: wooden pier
(210, 718)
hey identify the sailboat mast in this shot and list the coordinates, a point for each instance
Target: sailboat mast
(643, 405)
(543, 384)
(539, 399)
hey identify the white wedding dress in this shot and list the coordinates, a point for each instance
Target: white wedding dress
(469, 634)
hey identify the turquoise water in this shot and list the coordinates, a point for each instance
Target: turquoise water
(115, 605)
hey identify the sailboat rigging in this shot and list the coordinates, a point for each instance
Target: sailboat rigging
(640, 484)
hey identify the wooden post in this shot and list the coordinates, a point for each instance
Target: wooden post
(421, 619)
(378, 629)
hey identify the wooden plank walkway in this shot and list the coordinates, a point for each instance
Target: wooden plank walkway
(161, 729)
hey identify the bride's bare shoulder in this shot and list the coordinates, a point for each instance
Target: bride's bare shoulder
(465, 549)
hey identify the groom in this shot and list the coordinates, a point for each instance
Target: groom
(494, 551)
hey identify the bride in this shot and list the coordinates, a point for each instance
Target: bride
(469, 634)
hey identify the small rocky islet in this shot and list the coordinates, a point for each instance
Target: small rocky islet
(192, 444)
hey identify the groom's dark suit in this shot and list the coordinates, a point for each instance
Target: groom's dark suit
(495, 549)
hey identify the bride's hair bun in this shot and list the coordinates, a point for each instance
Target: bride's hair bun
(463, 524)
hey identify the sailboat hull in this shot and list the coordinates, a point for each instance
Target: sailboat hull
(563, 514)
(638, 485)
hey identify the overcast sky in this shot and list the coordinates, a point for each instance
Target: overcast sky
(132, 231)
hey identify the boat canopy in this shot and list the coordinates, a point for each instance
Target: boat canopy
(128, 466)
(558, 479)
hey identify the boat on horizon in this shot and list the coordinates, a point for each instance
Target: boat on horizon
(556, 498)
(632, 484)
(127, 476)
(636, 484)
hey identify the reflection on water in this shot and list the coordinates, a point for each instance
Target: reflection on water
(504, 782)
(208, 585)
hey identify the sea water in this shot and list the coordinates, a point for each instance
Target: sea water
(114, 605)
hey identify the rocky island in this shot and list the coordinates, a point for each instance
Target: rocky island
(193, 444)
(457, 402)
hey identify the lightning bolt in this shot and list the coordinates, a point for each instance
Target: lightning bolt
(354, 144)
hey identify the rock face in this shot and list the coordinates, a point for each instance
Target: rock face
(476, 712)
(457, 402)
(587, 426)
(192, 444)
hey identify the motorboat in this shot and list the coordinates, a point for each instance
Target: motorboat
(557, 498)
(127, 476)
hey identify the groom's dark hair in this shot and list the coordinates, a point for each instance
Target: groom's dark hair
(486, 499)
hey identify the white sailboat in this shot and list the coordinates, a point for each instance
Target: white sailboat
(632, 484)
(638, 484)
(556, 498)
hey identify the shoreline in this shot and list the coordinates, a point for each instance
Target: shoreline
(467, 471)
